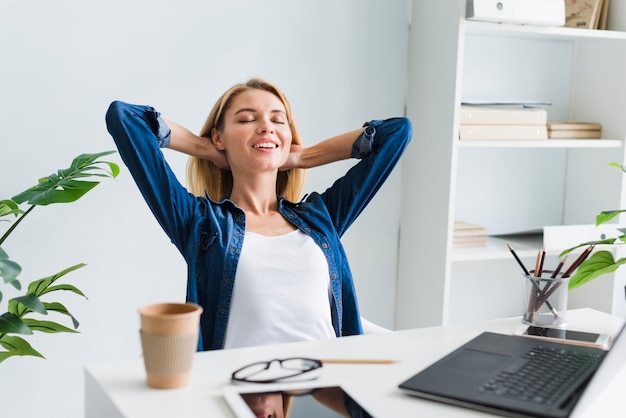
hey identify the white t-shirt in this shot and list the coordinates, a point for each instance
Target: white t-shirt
(281, 292)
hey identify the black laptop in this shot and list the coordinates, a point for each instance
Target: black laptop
(516, 376)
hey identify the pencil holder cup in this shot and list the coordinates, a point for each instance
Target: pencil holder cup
(545, 300)
(169, 338)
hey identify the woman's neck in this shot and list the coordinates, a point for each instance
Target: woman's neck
(256, 195)
(257, 198)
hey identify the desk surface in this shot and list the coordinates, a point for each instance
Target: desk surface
(119, 389)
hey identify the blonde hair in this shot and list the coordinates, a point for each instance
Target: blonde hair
(205, 177)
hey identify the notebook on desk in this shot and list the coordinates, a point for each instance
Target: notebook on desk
(488, 372)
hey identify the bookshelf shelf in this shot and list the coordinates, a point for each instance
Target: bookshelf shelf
(551, 143)
(503, 185)
(539, 32)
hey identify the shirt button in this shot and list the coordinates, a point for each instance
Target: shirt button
(222, 311)
(228, 281)
(335, 276)
(325, 245)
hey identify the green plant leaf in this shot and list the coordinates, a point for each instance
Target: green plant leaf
(32, 302)
(57, 307)
(607, 215)
(55, 190)
(607, 241)
(614, 164)
(600, 263)
(64, 186)
(16, 346)
(11, 324)
(39, 287)
(9, 207)
(9, 270)
(64, 286)
(47, 326)
(87, 162)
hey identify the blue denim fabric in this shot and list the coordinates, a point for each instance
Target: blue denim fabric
(209, 234)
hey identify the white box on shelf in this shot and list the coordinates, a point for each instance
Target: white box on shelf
(528, 12)
(561, 237)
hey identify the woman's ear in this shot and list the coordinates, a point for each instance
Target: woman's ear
(216, 138)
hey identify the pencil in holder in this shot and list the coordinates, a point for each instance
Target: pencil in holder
(545, 300)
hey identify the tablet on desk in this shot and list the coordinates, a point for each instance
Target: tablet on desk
(294, 400)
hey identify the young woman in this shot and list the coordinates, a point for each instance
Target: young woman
(266, 266)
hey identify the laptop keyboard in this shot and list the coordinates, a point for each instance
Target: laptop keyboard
(543, 375)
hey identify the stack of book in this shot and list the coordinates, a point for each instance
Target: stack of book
(502, 123)
(468, 235)
(565, 130)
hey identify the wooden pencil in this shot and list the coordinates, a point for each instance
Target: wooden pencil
(357, 361)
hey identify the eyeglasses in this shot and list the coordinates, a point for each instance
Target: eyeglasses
(278, 370)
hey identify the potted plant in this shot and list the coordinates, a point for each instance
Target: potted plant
(23, 313)
(600, 262)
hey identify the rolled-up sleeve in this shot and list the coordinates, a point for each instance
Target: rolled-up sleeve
(363, 144)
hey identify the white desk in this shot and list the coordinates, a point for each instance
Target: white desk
(119, 389)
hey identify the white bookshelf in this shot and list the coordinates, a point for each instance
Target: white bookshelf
(506, 186)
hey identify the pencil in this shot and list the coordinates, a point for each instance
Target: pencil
(541, 257)
(578, 261)
(357, 361)
(556, 272)
(558, 268)
(518, 260)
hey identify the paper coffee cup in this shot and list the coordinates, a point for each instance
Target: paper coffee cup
(169, 339)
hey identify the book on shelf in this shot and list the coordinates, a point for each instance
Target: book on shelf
(490, 115)
(584, 14)
(563, 130)
(574, 134)
(469, 235)
(573, 126)
(503, 132)
(460, 242)
(604, 12)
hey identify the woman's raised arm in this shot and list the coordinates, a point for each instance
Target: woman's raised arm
(185, 141)
(330, 150)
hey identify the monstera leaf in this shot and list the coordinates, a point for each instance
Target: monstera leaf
(24, 313)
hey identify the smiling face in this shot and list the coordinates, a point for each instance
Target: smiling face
(255, 134)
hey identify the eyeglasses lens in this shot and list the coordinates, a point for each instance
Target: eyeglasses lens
(299, 364)
(276, 370)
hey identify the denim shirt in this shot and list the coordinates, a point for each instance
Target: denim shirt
(210, 234)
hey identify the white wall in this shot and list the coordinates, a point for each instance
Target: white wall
(63, 61)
